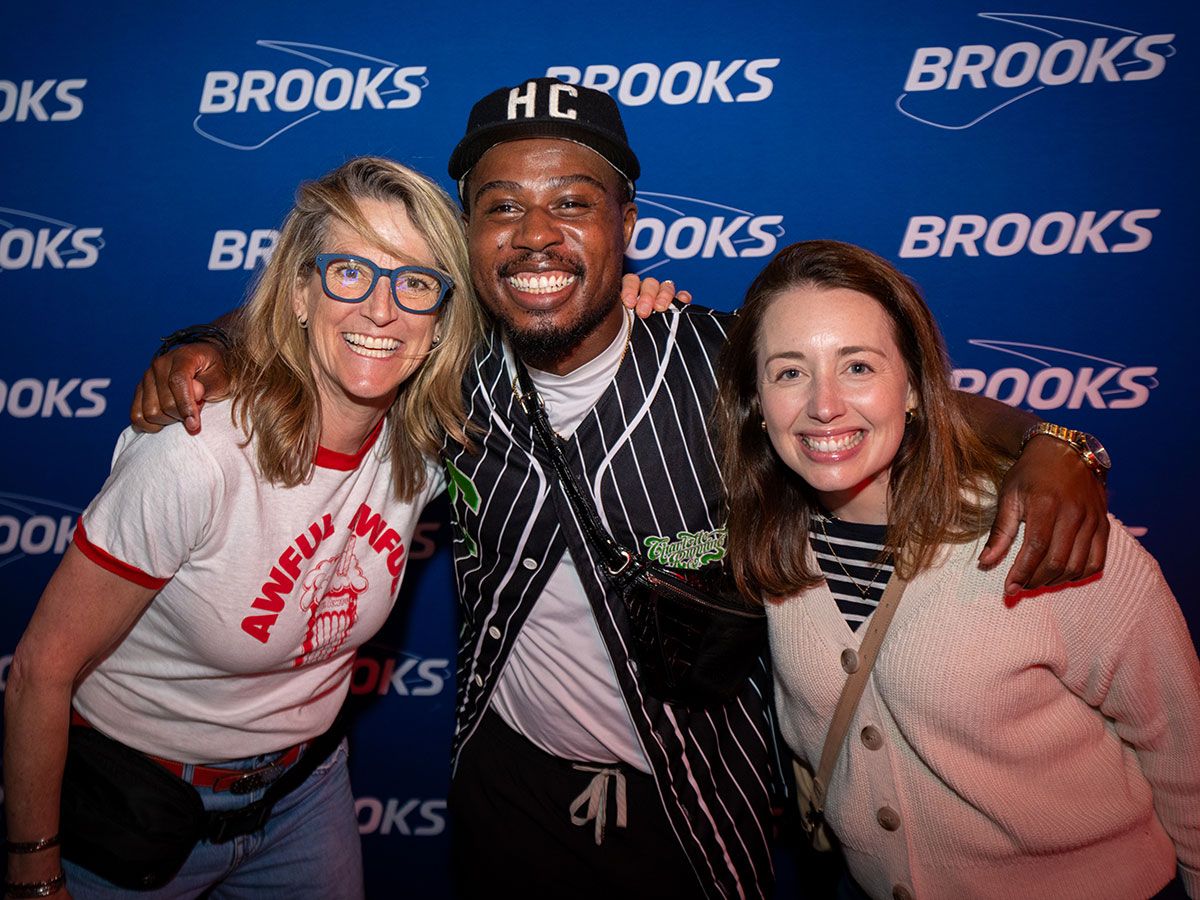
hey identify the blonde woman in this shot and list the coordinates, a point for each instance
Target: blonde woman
(208, 612)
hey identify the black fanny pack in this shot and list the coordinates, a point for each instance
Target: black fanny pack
(695, 639)
(134, 823)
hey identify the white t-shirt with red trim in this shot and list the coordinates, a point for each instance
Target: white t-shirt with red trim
(264, 592)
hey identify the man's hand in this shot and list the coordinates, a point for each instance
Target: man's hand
(648, 295)
(1064, 507)
(176, 386)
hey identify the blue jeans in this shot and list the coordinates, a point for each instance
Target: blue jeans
(309, 848)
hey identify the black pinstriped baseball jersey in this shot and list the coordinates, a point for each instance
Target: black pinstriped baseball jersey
(645, 453)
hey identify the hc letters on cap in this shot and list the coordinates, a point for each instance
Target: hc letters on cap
(546, 108)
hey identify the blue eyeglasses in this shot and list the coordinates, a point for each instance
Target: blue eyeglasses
(350, 279)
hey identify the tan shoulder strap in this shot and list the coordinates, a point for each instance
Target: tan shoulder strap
(856, 683)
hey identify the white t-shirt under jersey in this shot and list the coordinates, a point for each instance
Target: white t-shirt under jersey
(264, 592)
(558, 687)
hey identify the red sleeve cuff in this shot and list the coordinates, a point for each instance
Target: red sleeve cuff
(106, 561)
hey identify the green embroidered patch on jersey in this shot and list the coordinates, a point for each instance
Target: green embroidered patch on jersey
(459, 485)
(688, 550)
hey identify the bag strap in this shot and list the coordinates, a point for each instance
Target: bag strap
(615, 557)
(618, 561)
(856, 683)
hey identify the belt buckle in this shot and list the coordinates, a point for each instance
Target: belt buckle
(259, 778)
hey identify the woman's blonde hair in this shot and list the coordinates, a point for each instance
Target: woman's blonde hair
(275, 393)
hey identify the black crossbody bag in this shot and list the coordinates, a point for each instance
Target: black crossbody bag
(134, 823)
(695, 639)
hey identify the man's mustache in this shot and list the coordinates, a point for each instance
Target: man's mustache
(557, 260)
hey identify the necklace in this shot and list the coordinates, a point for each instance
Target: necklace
(516, 389)
(876, 570)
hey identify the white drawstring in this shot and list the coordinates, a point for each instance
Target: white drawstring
(595, 795)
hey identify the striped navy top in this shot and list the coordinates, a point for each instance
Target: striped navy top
(849, 555)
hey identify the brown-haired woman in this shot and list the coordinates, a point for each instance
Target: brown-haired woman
(1042, 746)
(208, 612)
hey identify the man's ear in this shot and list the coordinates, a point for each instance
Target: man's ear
(629, 213)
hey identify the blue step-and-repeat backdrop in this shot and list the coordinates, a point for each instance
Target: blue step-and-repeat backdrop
(1033, 169)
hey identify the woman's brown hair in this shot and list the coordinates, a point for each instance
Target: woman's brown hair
(275, 395)
(942, 480)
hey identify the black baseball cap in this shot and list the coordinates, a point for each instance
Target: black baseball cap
(546, 108)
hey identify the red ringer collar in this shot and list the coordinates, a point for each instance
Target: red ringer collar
(348, 462)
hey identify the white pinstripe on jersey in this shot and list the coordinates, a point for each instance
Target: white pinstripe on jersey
(646, 454)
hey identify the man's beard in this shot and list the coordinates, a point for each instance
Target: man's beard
(545, 345)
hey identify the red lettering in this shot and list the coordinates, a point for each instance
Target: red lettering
(386, 542)
(274, 591)
(395, 561)
(289, 561)
(259, 627)
(283, 576)
(365, 520)
(308, 549)
(319, 531)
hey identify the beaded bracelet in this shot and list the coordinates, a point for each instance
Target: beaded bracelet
(31, 846)
(23, 889)
(194, 334)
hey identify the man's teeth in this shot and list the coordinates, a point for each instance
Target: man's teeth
(832, 445)
(531, 283)
(366, 345)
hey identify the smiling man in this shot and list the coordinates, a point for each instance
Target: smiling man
(548, 247)
(569, 778)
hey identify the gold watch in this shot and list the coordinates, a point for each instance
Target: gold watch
(1088, 446)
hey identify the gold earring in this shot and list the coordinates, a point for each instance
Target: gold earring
(909, 415)
(763, 424)
(303, 320)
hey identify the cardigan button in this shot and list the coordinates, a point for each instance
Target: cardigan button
(901, 892)
(871, 738)
(529, 563)
(849, 661)
(888, 818)
(494, 632)
(478, 679)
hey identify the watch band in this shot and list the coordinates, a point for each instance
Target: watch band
(1081, 442)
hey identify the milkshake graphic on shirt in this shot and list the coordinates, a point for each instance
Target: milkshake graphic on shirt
(330, 596)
